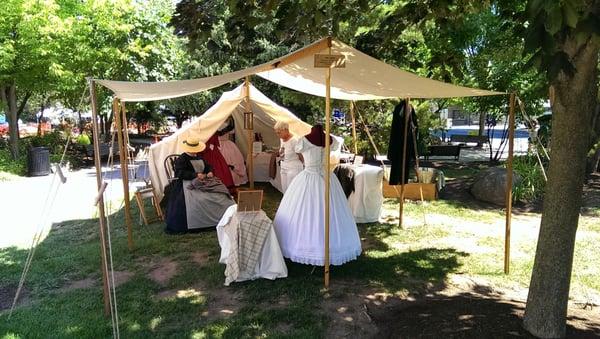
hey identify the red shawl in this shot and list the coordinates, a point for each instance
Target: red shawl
(213, 156)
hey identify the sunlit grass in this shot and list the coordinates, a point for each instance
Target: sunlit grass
(440, 238)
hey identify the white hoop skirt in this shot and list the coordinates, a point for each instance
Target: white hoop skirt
(300, 222)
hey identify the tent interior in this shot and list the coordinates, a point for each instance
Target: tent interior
(265, 113)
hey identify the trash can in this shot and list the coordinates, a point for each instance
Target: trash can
(38, 161)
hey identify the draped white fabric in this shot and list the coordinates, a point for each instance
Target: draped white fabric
(266, 112)
(363, 78)
(367, 198)
(271, 264)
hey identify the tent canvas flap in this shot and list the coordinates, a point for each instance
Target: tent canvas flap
(266, 113)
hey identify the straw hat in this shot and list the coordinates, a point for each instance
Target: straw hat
(193, 145)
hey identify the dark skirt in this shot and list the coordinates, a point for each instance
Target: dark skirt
(175, 216)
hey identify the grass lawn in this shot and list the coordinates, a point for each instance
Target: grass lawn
(172, 286)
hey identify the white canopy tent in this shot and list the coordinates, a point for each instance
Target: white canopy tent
(232, 103)
(362, 78)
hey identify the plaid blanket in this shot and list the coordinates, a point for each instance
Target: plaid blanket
(247, 232)
(211, 185)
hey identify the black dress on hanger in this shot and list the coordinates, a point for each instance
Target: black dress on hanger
(396, 149)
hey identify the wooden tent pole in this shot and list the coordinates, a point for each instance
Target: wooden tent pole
(249, 120)
(327, 162)
(509, 181)
(101, 214)
(353, 128)
(125, 168)
(407, 112)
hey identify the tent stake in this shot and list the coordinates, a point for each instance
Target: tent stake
(119, 114)
(509, 180)
(407, 112)
(327, 162)
(250, 132)
(102, 216)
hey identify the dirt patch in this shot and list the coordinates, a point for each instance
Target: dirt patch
(470, 315)
(7, 295)
(200, 258)
(163, 271)
(465, 307)
(122, 277)
(79, 284)
(196, 293)
(222, 303)
(348, 311)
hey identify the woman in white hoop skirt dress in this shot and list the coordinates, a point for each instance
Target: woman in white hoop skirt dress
(300, 219)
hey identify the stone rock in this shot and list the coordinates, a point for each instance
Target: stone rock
(490, 185)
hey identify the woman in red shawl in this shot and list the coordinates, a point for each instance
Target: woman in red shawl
(213, 156)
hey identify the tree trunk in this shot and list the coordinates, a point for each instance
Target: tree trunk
(80, 122)
(594, 162)
(545, 314)
(107, 126)
(42, 106)
(13, 119)
(481, 126)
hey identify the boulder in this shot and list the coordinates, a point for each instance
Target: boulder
(490, 185)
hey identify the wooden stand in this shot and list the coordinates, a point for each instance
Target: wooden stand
(412, 191)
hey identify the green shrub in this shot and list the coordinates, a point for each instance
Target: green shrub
(54, 140)
(83, 139)
(531, 185)
(8, 165)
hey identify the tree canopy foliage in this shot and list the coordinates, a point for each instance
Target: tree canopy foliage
(466, 43)
(48, 48)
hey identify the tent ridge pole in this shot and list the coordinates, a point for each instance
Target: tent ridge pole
(249, 120)
(101, 214)
(327, 160)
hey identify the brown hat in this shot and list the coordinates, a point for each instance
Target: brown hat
(193, 145)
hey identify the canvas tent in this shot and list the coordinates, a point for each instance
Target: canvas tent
(232, 103)
(362, 78)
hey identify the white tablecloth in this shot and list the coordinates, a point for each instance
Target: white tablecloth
(262, 162)
(271, 264)
(367, 198)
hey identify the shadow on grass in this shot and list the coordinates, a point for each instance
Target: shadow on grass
(481, 314)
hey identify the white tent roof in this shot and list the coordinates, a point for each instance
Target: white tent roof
(363, 78)
(266, 113)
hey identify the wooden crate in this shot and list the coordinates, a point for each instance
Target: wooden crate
(411, 191)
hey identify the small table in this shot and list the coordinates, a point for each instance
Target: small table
(262, 163)
(367, 198)
(269, 264)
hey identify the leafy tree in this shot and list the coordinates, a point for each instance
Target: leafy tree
(564, 38)
(30, 55)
